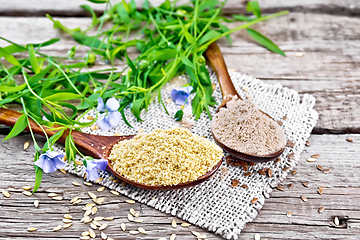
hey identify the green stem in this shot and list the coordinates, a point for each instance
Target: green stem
(246, 25)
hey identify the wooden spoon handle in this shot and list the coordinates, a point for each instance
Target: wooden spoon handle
(216, 60)
(9, 117)
(87, 143)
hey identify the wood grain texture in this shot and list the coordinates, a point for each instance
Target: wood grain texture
(71, 8)
(339, 199)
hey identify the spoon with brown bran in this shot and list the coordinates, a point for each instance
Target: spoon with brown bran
(98, 147)
(216, 60)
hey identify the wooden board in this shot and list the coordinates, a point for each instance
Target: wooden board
(339, 199)
(71, 8)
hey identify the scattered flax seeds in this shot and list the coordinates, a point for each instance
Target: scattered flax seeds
(173, 224)
(305, 184)
(26, 145)
(290, 143)
(142, 230)
(336, 221)
(130, 201)
(57, 228)
(321, 209)
(100, 189)
(255, 200)
(76, 184)
(327, 171)
(52, 195)
(257, 236)
(261, 172)
(114, 192)
(269, 173)
(88, 184)
(311, 159)
(123, 227)
(165, 157)
(27, 193)
(247, 174)
(26, 187)
(307, 143)
(349, 140)
(62, 171)
(280, 188)
(320, 191)
(293, 172)
(32, 229)
(291, 185)
(244, 186)
(243, 127)
(36, 203)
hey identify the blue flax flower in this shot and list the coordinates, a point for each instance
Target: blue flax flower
(113, 117)
(179, 95)
(92, 168)
(50, 161)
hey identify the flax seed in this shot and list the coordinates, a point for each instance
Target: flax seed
(349, 140)
(57, 228)
(293, 172)
(27, 193)
(76, 184)
(280, 188)
(247, 174)
(184, 224)
(103, 226)
(6, 194)
(98, 180)
(254, 200)
(244, 186)
(65, 220)
(291, 156)
(286, 169)
(320, 191)
(114, 192)
(67, 225)
(92, 195)
(92, 233)
(311, 159)
(62, 170)
(321, 209)
(291, 185)
(26, 188)
(307, 143)
(103, 235)
(269, 173)
(305, 184)
(123, 227)
(327, 171)
(289, 214)
(303, 198)
(36, 203)
(261, 172)
(68, 216)
(173, 224)
(109, 218)
(58, 198)
(290, 143)
(315, 155)
(336, 221)
(133, 232)
(32, 229)
(88, 184)
(319, 167)
(141, 230)
(130, 201)
(234, 183)
(278, 160)
(100, 189)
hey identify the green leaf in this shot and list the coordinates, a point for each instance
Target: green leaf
(265, 41)
(89, 41)
(38, 173)
(146, 5)
(59, 97)
(186, 61)
(189, 38)
(137, 107)
(243, 18)
(10, 58)
(98, 1)
(10, 89)
(254, 7)
(69, 148)
(33, 60)
(208, 36)
(53, 139)
(123, 14)
(19, 126)
(91, 11)
(179, 115)
(46, 43)
(225, 29)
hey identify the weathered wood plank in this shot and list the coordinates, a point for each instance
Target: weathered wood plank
(72, 8)
(341, 184)
(329, 68)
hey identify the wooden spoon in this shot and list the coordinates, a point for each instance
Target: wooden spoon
(92, 145)
(216, 60)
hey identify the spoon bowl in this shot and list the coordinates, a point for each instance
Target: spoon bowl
(216, 60)
(97, 147)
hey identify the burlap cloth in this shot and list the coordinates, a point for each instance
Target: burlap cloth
(214, 205)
